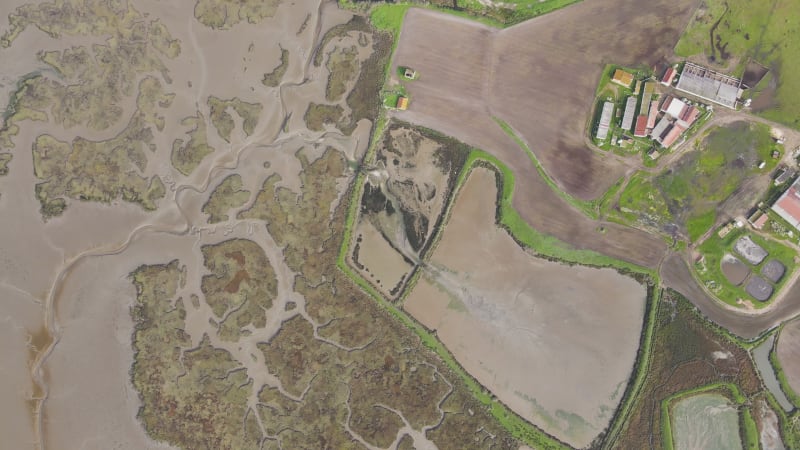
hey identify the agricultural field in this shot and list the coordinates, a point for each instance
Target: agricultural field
(718, 180)
(404, 198)
(448, 71)
(707, 420)
(732, 33)
(502, 312)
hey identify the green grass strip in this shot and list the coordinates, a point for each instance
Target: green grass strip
(747, 426)
(587, 208)
(781, 375)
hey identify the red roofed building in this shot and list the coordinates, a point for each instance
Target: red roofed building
(666, 103)
(672, 136)
(651, 118)
(641, 127)
(688, 116)
(669, 75)
(788, 205)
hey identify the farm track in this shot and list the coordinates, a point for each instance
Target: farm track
(545, 91)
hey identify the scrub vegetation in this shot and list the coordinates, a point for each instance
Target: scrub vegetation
(83, 93)
(226, 196)
(223, 121)
(224, 14)
(686, 354)
(186, 156)
(103, 171)
(274, 78)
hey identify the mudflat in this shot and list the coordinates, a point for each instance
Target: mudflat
(535, 333)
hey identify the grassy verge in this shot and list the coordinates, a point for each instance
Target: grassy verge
(710, 274)
(510, 13)
(781, 375)
(588, 208)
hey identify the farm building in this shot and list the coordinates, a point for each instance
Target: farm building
(622, 78)
(630, 112)
(673, 106)
(410, 73)
(641, 127)
(648, 90)
(672, 135)
(605, 121)
(710, 85)
(669, 75)
(688, 116)
(788, 205)
(758, 220)
(661, 128)
(784, 175)
(402, 103)
(652, 115)
(751, 251)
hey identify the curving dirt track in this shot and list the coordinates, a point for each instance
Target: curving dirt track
(675, 274)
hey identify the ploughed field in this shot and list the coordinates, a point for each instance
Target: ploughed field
(470, 73)
(534, 332)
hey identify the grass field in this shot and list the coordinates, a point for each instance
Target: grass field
(710, 273)
(689, 193)
(729, 32)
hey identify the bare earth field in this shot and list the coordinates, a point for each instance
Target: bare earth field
(534, 332)
(788, 350)
(465, 78)
(130, 321)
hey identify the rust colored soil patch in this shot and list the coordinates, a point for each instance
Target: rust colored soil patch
(524, 326)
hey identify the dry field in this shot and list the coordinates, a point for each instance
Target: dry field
(676, 275)
(534, 332)
(705, 421)
(788, 350)
(459, 91)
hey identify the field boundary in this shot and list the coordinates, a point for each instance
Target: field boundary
(748, 433)
(544, 246)
(780, 374)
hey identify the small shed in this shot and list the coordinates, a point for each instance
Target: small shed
(402, 103)
(622, 78)
(410, 73)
